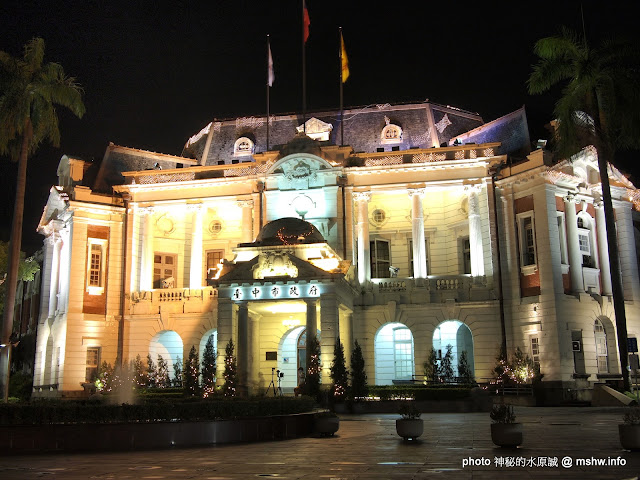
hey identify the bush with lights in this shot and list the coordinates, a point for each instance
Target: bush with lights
(208, 369)
(151, 372)
(431, 368)
(358, 376)
(446, 365)
(312, 381)
(230, 371)
(191, 373)
(177, 372)
(162, 377)
(339, 374)
(519, 369)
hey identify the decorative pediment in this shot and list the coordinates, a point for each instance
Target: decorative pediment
(316, 129)
(300, 172)
(274, 264)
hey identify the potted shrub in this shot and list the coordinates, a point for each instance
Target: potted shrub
(629, 431)
(326, 423)
(410, 426)
(505, 432)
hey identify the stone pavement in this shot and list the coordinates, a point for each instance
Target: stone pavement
(367, 447)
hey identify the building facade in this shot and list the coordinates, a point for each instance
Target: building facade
(393, 229)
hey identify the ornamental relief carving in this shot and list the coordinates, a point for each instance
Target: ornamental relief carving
(274, 264)
(165, 224)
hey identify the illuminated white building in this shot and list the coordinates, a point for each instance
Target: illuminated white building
(390, 240)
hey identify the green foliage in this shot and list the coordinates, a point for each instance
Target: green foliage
(208, 369)
(431, 368)
(150, 410)
(446, 365)
(27, 269)
(138, 372)
(104, 382)
(358, 375)
(312, 381)
(464, 369)
(339, 374)
(420, 392)
(177, 372)
(152, 373)
(191, 373)
(162, 377)
(518, 369)
(632, 416)
(20, 385)
(502, 414)
(230, 371)
(409, 411)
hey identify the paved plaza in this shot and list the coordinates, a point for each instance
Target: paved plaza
(367, 447)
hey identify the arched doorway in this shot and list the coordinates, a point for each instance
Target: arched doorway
(458, 335)
(167, 344)
(393, 350)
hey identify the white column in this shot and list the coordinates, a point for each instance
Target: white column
(362, 200)
(54, 240)
(417, 223)
(242, 349)
(475, 233)
(573, 244)
(247, 220)
(63, 276)
(195, 271)
(603, 249)
(146, 263)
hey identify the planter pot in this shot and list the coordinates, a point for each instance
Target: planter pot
(326, 426)
(506, 434)
(409, 428)
(629, 437)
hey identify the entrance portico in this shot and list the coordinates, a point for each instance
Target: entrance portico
(282, 285)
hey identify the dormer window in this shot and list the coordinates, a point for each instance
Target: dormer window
(244, 146)
(391, 134)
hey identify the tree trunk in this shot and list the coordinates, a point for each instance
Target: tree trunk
(604, 152)
(14, 260)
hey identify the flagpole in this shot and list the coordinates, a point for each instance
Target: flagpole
(268, 86)
(304, 71)
(341, 94)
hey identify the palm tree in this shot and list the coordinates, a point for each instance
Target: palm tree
(599, 106)
(29, 93)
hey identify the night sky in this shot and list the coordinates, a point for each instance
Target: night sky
(154, 75)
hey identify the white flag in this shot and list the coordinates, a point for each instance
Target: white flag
(271, 76)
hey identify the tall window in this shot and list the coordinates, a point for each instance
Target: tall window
(585, 242)
(601, 347)
(380, 258)
(527, 240)
(465, 255)
(92, 364)
(164, 270)
(403, 353)
(426, 255)
(535, 350)
(562, 238)
(214, 257)
(96, 254)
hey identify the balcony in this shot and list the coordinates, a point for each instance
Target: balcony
(173, 300)
(433, 289)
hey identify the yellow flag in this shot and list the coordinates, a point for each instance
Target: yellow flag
(345, 62)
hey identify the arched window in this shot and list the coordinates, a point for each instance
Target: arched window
(243, 146)
(602, 357)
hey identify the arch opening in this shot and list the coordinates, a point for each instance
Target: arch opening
(458, 335)
(167, 344)
(394, 356)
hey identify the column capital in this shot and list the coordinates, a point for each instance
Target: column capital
(416, 191)
(571, 198)
(362, 197)
(244, 203)
(472, 189)
(598, 204)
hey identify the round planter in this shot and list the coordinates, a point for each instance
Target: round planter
(327, 426)
(409, 428)
(506, 434)
(629, 437)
